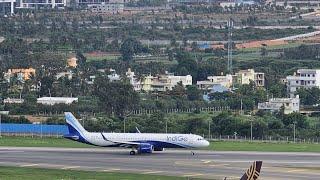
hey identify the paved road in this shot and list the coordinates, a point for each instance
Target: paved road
(204, 164)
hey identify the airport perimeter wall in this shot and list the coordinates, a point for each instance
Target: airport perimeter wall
(42, 129)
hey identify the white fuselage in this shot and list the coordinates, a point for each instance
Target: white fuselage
(158, 140)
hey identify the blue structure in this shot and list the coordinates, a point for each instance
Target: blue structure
(34, 129)
(204, 46)
(215, 88)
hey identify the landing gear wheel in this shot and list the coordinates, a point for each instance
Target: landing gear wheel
(132, 152)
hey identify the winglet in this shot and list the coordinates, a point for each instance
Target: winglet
(253, 172)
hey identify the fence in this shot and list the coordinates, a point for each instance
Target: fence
(186, 110)
(33, 129)
(311, 140)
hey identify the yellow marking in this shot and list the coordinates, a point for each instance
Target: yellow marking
(28, 165)
(192, 175)
(152, 172)
(110, 170)
(206, 162)
(297, 170)
(70, 167)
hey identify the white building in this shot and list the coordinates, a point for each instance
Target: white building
(107, 8)
(42, 4)
(68, 75)
(133, 80)
(290, 105)
(56, 100)
(113, 76)
(164, 82)
(303, 78)
(225, 81)
(7, 3)
(13, 101)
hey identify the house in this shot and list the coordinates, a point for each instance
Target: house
(113, 76)
(133, 80)
(164, 82)
(111, 7)
(225, 81)
(21, 74)
(290, 105)
(249, 75)
(303, 78)
(68, 75)
(72, 62)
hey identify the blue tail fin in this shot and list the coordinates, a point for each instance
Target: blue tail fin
(73, 124)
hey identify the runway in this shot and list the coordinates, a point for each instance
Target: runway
(204, 164)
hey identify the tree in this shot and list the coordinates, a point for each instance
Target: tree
(263, 51)
(193, 93)
(309, 96)
(178, 90)
(129, 47)
(115, 97)
(224, 124)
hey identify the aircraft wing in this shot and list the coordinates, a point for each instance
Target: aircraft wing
(122, 143)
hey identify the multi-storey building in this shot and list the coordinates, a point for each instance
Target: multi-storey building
(303, 78)
(41, 4)
(7, 6)
(164, 82)
(290, 105)
(249, 75)
(111, 7)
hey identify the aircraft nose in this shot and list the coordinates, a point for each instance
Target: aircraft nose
(206, 143)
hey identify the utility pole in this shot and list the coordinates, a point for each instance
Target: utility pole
(241, 106)
(209, 135)
(230, 44)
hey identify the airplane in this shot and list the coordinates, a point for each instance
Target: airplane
(253, 172)
(140, 143)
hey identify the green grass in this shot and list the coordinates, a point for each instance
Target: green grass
(39, 142)
(26, 173)
(263, 146)
(215, 145)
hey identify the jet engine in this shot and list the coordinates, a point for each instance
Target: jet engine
(158, 148)
(145, 148)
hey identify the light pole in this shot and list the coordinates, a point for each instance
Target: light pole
(251, 129)
(124, 124)
(294, 131)
(209, 130)
(166, 126)
(0, 125)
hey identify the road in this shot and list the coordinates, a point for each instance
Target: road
(204, 164)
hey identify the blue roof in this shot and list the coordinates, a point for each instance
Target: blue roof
(218, 88)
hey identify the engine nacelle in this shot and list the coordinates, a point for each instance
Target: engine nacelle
(145, 148)
(158, 148)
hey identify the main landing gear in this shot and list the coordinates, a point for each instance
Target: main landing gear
(132, 152)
